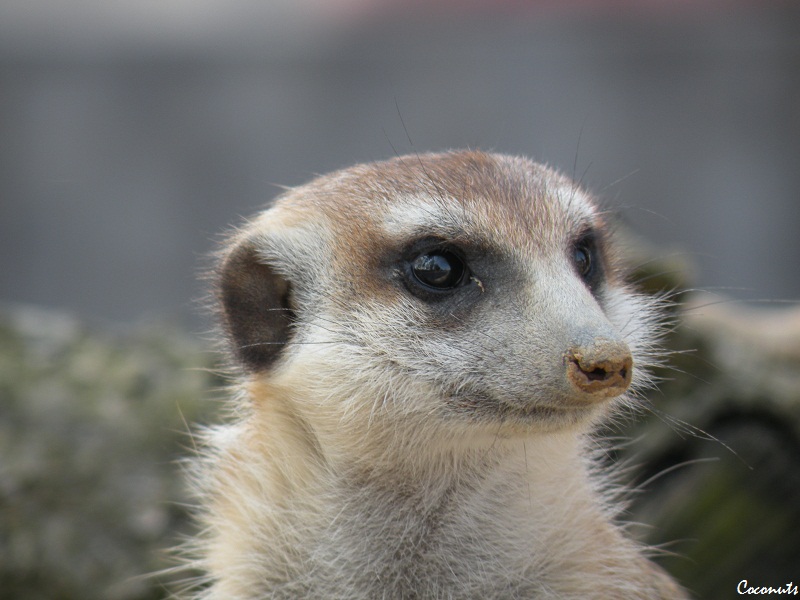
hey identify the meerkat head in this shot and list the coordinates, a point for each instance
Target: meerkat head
(440, 293)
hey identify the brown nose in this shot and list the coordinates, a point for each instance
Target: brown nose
(601, 369)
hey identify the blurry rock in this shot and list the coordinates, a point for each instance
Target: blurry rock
(719, 456)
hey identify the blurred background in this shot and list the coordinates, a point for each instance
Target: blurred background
(134, 132)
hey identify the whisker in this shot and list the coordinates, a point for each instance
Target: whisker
(675, 467)
(680, 426)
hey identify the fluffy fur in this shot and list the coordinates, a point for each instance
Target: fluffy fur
(387, 444)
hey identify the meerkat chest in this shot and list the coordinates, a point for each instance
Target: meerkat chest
(385, 546)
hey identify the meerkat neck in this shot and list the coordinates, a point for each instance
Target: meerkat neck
(499, 502)
(414, 457)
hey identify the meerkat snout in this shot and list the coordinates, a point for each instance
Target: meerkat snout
(602, 369)
(423, 348)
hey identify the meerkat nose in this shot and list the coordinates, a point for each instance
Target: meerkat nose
(601, 369)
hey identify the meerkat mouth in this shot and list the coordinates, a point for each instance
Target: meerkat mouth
(482, 407)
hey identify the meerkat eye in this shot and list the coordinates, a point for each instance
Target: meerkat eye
(586, 260)
(440, 269)
(583, 261)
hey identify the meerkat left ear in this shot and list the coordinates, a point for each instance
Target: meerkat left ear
(255, 307)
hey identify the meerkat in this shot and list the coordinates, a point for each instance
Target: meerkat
(424, 346)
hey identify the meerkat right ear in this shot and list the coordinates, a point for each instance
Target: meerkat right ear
(255, 307)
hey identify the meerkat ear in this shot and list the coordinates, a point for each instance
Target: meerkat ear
(256, 309)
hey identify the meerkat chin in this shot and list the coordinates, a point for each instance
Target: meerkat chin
(423, 345)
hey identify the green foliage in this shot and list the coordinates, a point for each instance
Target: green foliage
(90, 427)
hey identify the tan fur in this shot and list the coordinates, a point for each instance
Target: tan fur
(389, 445)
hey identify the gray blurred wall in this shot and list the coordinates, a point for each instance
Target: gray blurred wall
(127, 145)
